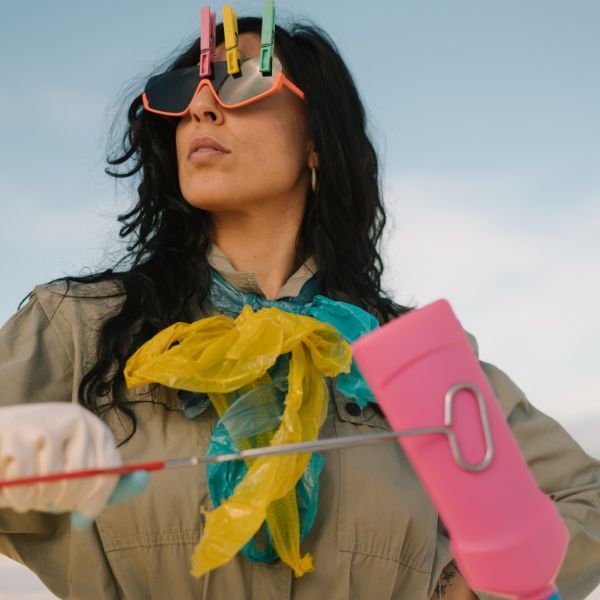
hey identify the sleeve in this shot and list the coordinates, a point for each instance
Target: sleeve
(35, 356)
(567, 474)
(35, 366)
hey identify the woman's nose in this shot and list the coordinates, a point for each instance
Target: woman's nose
(205, 106)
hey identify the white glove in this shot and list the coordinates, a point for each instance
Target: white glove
(38, 439)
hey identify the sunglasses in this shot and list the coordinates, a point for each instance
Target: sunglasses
(172, 93)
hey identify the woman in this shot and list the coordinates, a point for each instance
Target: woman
(290, 197)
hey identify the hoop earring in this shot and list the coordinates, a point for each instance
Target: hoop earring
(313, 181)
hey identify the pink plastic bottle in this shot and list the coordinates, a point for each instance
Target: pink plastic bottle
(507, 537)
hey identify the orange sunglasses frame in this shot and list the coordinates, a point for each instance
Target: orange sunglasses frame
(280, 81)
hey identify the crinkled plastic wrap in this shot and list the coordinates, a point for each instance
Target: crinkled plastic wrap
(351, 321)
(255, 414)
(218, 356)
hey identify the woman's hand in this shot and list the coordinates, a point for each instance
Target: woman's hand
(452, 585)
(49, 437)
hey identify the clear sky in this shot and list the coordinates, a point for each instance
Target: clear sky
(485, 116)
(487, 121)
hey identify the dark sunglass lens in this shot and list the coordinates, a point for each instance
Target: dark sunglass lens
(218, 73)
(172, 92)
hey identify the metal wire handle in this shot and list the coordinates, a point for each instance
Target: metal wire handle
(300, 447)
(373, 438)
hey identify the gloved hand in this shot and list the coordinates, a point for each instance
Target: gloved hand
(38, 439)
(129, 485)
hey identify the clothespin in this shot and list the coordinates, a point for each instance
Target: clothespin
(231, 39)
(267, 43)
(208, 35)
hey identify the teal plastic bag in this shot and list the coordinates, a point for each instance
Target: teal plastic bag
(251, 414)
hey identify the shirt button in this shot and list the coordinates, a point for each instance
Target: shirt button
(353, 409)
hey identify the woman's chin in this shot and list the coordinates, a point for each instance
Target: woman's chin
(210, 203)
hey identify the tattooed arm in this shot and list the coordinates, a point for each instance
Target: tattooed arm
(452, 585)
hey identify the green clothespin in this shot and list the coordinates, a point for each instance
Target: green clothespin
(267, 43)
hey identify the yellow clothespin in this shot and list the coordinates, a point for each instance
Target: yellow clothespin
(231, 39)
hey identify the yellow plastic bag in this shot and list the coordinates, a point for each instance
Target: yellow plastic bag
(282, 515)
(218, 355)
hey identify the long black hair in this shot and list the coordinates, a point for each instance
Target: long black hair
(165, 267)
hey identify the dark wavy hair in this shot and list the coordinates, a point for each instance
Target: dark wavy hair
(165, 267)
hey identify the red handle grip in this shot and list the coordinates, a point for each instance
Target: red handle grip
(149, 466)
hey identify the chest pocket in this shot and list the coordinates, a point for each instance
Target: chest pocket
(384, 510)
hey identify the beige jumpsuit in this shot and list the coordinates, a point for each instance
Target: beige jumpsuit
(376, 535)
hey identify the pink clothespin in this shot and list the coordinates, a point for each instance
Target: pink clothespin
(208, 35)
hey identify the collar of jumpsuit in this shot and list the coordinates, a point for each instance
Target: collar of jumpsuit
(245, 281)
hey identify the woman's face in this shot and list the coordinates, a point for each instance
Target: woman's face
(268, 145)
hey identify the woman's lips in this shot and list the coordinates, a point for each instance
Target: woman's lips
(205, 148)
(203, 155)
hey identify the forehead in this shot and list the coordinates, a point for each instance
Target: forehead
(249, 45)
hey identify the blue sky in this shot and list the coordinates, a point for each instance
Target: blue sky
(486, 117)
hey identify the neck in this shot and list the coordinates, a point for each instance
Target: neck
(263, 242)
